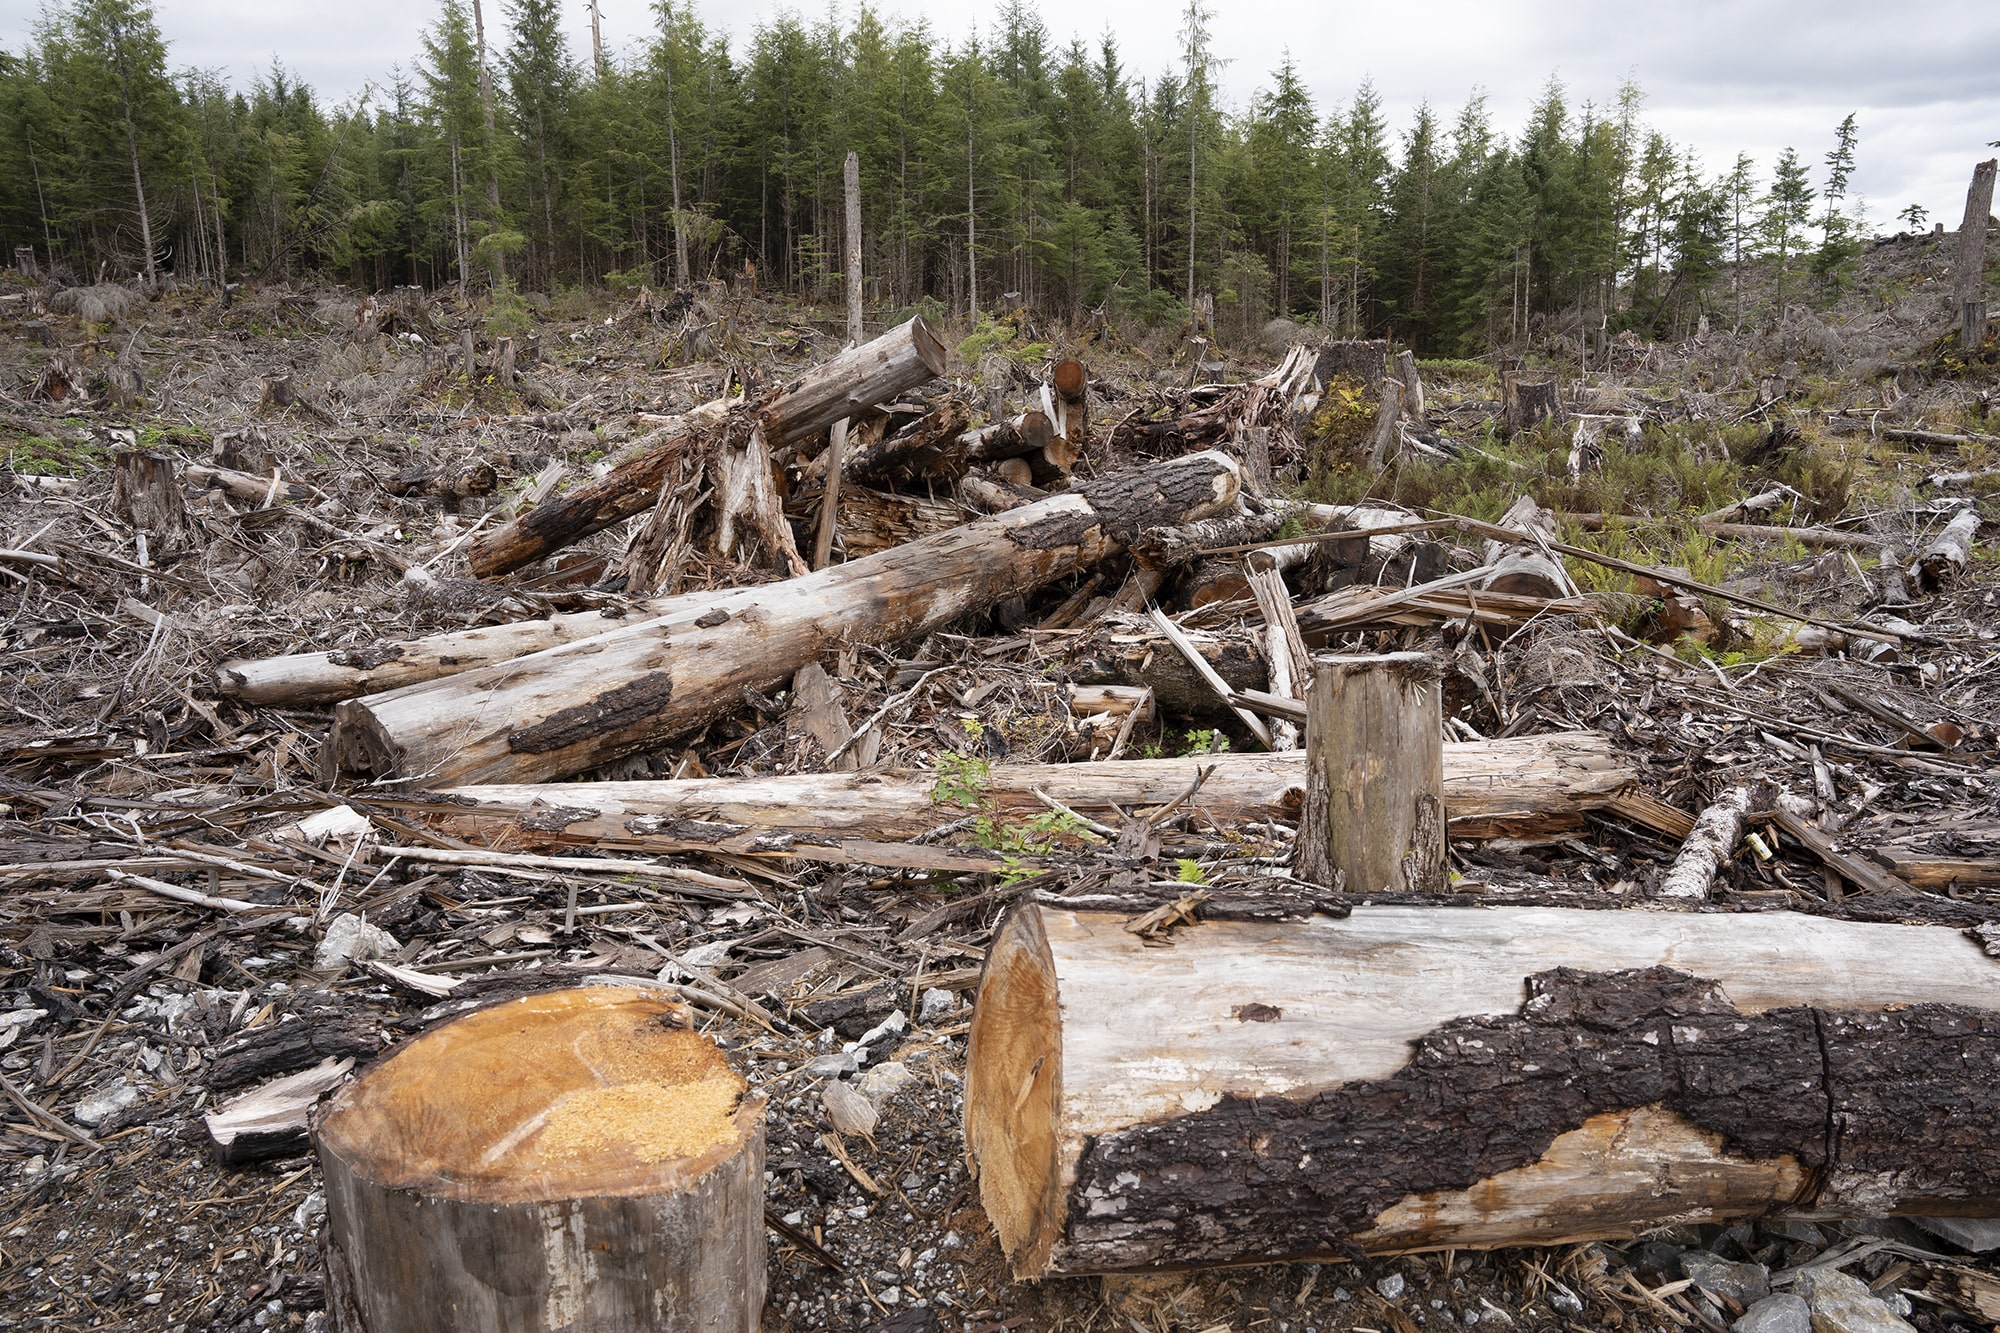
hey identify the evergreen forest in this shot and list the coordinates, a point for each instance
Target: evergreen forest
(1012, 169)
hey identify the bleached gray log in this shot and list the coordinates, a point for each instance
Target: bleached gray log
(573, 707)
(1526, 571)
(1691, 877)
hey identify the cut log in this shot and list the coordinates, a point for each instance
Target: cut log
(1949, 553)
(583, 704)
(1517, 786)
(1015, 437)
(1072, 389)
(1374, 815)
(1692, 875)
(847, 386)
(1526, 571)
(576, 1160)
(1245, 1092)
(1527, 401)
(146, 493)
(1969, 273)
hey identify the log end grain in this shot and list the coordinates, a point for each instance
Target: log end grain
(593, 1092)
(1014, 1090)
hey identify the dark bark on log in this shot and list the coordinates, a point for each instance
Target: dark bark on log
(1026, 434)
(931, 448)
(1829, 1068)
(285, 1048)
(586, 703)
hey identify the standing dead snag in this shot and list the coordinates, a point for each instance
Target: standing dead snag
(1971, 267)
(567, 709)
(1374, 809)
(577, 1160)
(1247, 1092)
(847, 386)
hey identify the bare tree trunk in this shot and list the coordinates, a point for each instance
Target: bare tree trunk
(674, 173)
(492, 135)
(851, 174)
(1972, 256)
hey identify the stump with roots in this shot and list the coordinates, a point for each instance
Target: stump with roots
(574, 1160)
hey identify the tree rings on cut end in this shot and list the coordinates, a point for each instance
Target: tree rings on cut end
(594, 1092)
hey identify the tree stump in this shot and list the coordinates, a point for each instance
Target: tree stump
(146, 493)
(278, 394)
(1413, 384)
(1374, 815)
(1366, 360)
(503, 363)
(1528, 401)
(578, 1160)
(24, 262)
(468, 354)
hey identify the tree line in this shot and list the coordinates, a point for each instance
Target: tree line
(1006, 169)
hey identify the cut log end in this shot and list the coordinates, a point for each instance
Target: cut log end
(570, 1094)
(1010, 1113)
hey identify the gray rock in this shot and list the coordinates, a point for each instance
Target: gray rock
(1784, 1313)
(106, 1102)
(884, 1081)
(1746, 1284)
(1842, 1304)
(349, 939)
(848, 1110)
(1805, 1233)
(1391, 1287)
(1279, 335)
(936, 1004)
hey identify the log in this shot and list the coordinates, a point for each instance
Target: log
(1072, 391)
(836, 454)
(872, 521)
(1516, 786)
(576, 1160)
(570, 708)
(1526, 571)
(1374, 814)
(847, 386)
(1691, 877)
(344, 673)
(1016, 437)
(932, 448)
(1253, 1091)
(1969, 273)
(1526, 402)
(1949, 552)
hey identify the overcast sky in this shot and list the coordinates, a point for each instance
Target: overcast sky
(1719, 75)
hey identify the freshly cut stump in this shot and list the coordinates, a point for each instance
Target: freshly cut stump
(580, 1159)
(1412, 1078)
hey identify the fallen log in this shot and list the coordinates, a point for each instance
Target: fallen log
(1249, 1091)
(1518, 786)
(569, 708)
(1950, 551)
(344, 673)
(847, 386)
(1691, 877)
(1526, 570)
(579, 1159)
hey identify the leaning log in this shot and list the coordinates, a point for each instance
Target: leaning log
(1245, 1092)
(847, 386)
(559, 712)
(1523, 785)
(575, 1160)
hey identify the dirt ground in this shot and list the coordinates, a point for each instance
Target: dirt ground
(118, 754)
